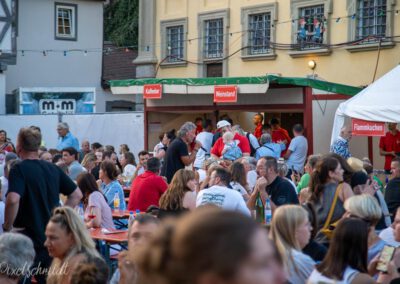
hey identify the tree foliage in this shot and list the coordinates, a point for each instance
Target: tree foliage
(121, 19)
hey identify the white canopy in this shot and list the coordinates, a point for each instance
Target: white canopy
(380, 101)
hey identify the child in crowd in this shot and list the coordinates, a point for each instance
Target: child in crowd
(231, 149)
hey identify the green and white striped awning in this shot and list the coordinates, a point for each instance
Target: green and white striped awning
(246, 85)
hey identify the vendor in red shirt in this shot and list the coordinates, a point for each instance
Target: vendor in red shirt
(147, 188)
(225, 126)
(279, 134)
(389, 145)
(257, 120)
(199, 125)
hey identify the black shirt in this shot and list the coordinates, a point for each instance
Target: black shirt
(172, 160)
(38, 183)
(315, 250)
(282, 192)
(392, 196)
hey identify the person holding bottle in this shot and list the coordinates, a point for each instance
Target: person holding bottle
(97, 213)
(110, 187)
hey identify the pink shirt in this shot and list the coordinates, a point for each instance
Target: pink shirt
(96, 199)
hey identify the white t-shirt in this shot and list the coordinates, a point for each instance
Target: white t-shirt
(2, 208)
(223, 197)
(129, 170)
(251, 179)
(4, 188)
(301, 268)
(202, 175)
(253, 141)
(299, 148)
(388, 236)
(157, 148)
(348, 276)
(238, 187)
(205, 138)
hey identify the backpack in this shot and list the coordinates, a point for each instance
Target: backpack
(252, 149)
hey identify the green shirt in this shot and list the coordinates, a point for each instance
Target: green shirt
(303, 183)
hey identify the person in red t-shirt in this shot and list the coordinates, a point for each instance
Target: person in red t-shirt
(257, 120)
(280, 134)
(199, 125)
(389, 145)
(225, 126)
(147, 188)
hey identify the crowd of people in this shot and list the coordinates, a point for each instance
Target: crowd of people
(216, 206)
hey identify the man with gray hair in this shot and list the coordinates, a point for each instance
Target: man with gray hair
(268, 148)
(341, 144)
(16, 257)
(66, 139)
(177, 155)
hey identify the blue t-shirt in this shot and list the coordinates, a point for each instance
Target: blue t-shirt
(68, 140)
(270, 150)
(299, 147)
(109, 192)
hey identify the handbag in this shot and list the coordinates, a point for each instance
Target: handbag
(328, 228)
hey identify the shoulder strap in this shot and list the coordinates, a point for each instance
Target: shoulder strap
(333, 205)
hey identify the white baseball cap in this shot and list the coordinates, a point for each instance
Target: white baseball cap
(222, 123)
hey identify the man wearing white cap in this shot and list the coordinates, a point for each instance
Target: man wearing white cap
(225, 126)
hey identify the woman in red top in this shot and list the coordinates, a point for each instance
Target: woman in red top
(5, 146)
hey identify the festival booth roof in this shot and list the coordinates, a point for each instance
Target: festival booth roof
(246, 85)
(380, 101)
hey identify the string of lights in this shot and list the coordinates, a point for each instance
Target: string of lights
(274, 45)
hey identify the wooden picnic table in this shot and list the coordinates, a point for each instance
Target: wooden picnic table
(120, 236)
(120, 214)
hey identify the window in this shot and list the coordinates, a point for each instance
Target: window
(259, 33)
(310, 30)
(65, 21)
(311, 27)
(175, 43)
(371, 19)
(371, 23)
(258, 24)
(213, 43)
(214, 37)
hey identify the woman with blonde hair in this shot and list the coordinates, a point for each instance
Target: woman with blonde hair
(180, 195)
(69, 243)
(366, 207)
(89, 162)
(291, 232)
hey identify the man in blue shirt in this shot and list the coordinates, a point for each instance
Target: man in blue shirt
(66, 139)
(269, 148)
(341, 144)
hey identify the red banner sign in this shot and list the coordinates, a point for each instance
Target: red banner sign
(367, 128)
(225, 94)
(153, 91)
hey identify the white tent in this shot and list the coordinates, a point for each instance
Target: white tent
(380, 101)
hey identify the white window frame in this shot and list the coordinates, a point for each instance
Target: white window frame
(202, 18)
(246, 12)
(295, 6)
(367, 46)
(73, 21)
(165, 25)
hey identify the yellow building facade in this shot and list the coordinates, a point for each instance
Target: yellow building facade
(352, 42)
(349, 64)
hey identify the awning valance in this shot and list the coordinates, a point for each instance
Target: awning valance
(246, 84)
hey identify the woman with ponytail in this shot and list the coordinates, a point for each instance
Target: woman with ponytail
(327, 191)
